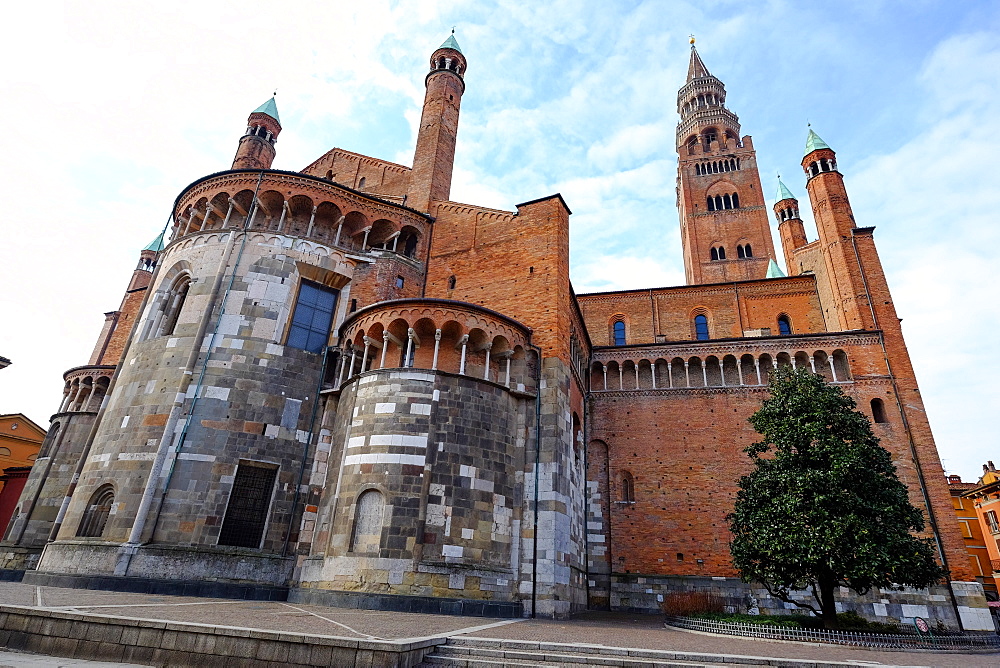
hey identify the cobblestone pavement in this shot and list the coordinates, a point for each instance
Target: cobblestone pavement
(611, 629)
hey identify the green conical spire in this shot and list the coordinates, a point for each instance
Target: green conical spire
(773, 270)
(156, 245)
(783, 192)
(814, 142)
(270, 108)
(451, 43)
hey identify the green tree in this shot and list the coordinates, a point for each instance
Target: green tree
(823, 507)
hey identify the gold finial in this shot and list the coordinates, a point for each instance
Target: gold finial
(691, 39)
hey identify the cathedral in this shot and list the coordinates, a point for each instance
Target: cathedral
(339, 386)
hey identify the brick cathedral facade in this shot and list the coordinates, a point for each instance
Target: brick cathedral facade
(340, 386)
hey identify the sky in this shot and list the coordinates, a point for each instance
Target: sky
(111, 108)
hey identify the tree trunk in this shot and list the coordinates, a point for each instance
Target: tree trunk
(828, 603)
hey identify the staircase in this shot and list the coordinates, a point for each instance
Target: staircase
(469, 652)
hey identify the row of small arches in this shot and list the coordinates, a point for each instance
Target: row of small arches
(451, 347)
(721, 202)
(300, 216)
(84, 394)
(788, 213)
(713, 371)
(709, 135)
(452, 64)
(822, 165)
(717, 166)
(700, 323)
(260, 131)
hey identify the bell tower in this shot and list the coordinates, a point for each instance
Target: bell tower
(434, 157)
(256, 149)
(724, 221)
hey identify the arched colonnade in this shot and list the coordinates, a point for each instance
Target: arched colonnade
(712, 371)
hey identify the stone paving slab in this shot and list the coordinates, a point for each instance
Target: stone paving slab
(608, 629)
(648, 632)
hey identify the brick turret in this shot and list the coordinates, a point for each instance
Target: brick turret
(434, 158)
(793, 233)
(836, 228)
(256, 149)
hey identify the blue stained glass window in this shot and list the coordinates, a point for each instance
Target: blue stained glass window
(312, 318)
(619, 333)
(701, 327)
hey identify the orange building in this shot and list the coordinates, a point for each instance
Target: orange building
(983, 497)
(974, 531)
(20, 440)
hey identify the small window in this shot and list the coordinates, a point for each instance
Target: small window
(736, 200)
(246, 513)
(354, 305)
(966, 529)
(361, 183)
(628, 488)
(369, 518)
(619, 329)
(399, 281)
(451, 282)
(312, 318)
(784, 325)
(722, 253)
(4, 452)
(95, 517)
(174, 303)
(739, 252)
(878, 411)
(715, 253)
(991, 521)
(748, 251)
(701, 327)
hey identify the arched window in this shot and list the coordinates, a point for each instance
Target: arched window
(628, 488)
(736, 200)
(173, 304)
(722, 253)
(711, 204)
(727, 202)
(739, 252)
(368, 520)
(715, 253)
(784, 325)
(451, 282)
(361, 183)
(718, 202)
(619, 332)
(95, 517)
(410, 247)
(4, 452)
(878, 411)
(701, 327)
(748, 251)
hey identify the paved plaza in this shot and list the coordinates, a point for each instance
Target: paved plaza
(609, 629)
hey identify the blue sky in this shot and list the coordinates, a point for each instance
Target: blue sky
(112, 108)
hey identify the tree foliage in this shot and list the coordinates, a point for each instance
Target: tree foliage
(823, 506)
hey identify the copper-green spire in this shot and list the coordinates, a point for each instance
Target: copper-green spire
(783, 192)
(270, 108)
(814, 142)
(156, 245)
(773, 270)
(451, 43)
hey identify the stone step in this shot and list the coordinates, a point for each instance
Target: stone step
(471, 656)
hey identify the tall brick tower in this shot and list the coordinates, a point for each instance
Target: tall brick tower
(434, 157)
(724, 226)
(256, 150)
